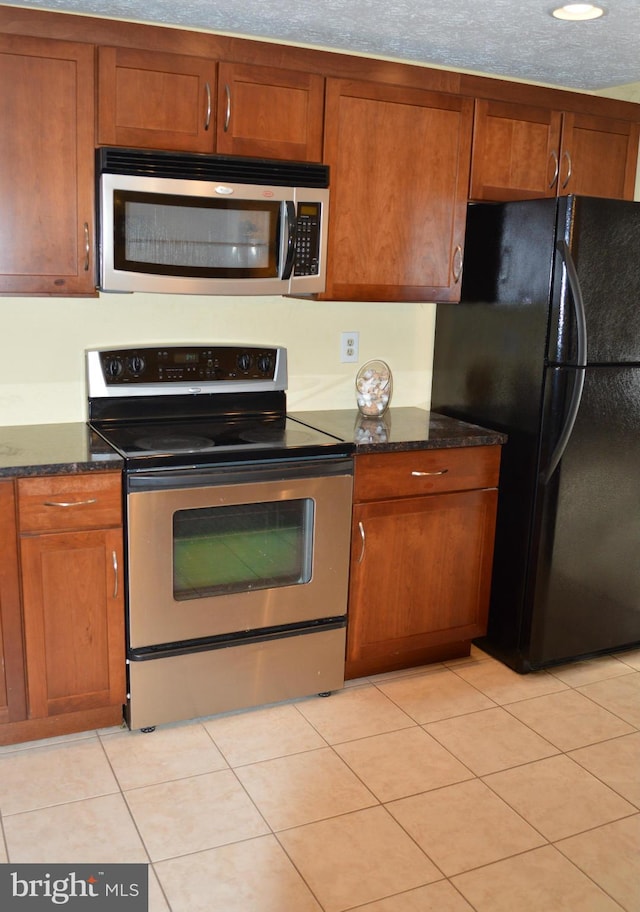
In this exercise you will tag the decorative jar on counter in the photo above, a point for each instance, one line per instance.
(374, 385)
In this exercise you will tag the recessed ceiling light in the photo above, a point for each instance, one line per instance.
(578, 12)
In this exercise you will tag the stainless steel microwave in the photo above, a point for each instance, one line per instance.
(210, 224)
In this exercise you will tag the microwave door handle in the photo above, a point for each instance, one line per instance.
(290, 228)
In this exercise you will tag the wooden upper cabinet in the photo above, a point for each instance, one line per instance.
(154, 100)
(523, 151)
(515, 151)
(269, 112)
(399, 160)
(599, 156)
(46, 167)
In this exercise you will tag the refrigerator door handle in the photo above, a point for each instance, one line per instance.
(580, 363)
(578, 303)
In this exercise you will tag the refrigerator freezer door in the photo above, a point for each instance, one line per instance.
(604, 239)
(585, 564)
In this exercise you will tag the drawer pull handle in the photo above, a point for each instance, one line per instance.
(114, 559)
(421, 474)
(70, 503)
(364, 542)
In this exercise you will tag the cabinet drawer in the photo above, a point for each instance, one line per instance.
(410, 474)
(60, 502)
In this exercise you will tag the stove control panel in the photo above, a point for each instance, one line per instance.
(185, 368)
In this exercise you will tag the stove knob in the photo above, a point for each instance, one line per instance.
(135, 365)
(244, 361)
(113, 368)
(264, 364)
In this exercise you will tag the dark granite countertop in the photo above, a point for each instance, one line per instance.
(54, 449)
(399, 429)
(67, 449)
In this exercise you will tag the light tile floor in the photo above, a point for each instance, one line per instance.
(453, 787)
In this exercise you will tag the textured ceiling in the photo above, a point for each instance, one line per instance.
(502, 37)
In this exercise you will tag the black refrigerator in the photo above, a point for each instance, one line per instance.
(545, 346)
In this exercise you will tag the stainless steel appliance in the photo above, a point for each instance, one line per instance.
(209, 224)
(237, 530)
(546, 347)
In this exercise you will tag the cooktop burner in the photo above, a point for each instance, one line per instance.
(174, 443)
(269, 435)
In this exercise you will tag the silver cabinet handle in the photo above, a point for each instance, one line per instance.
(114, 559)
(227, 113)
(457, 263)
(207, 116)
(440, 472)
(569, 170)
(556, 168)
(364, 542)
(69, 503)
(87, 247)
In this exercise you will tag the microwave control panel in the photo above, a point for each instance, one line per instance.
(307, 239)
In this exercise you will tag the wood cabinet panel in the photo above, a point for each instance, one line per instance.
(421, 570)
(524, 151)
(73, 621)
(515, 151)
(46, 167)
(65, 502)
(420, 472)
(269, 112)
(599, 156)
(399, 162)
(12, 686)
(154, 100)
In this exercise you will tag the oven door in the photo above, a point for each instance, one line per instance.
(229, 551)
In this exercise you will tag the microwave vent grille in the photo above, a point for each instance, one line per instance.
(192, 166)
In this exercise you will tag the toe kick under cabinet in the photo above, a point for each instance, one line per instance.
(421, 556)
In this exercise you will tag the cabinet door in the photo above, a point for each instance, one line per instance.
(154, 100)
(46, 167)
(521, 151)
(599, 156)
(269, 112)
(12, 690)
(515, 152)
(73, 621)
(399, 163)
(420, 577)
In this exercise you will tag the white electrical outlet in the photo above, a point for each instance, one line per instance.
(349, 344)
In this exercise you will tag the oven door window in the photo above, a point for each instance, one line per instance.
(200, 237)
(242, 547)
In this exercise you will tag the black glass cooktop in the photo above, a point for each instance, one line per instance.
(206, 440)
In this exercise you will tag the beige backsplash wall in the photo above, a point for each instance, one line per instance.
(43, 342)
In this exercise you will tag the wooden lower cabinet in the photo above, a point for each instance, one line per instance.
(421, 562)
(73, 621)
(70, 553)
(12, 687)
